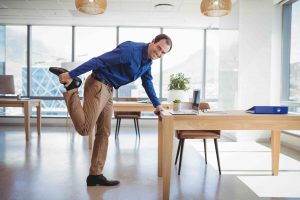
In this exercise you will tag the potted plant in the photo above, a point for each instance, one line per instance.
(176, 104)
(178, 86)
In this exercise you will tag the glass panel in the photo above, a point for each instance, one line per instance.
(295, 54)
(51, 46)
(146, 35)
(15, 56)
(93, 41)
(186, 57)
(227, 79)
(212, 64)
(54, 108)
(2, 49)
(13, 49)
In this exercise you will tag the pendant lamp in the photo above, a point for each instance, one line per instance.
(215, 8)
(91, 7)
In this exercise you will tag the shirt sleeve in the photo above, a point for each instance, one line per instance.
(108, 59)
(148, 85)
(85, 67)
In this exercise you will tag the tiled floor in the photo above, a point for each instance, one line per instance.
(55, 165)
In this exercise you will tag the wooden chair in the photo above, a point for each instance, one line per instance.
(119, 115)
(197, 134)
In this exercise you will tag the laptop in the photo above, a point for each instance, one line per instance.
(195, 106)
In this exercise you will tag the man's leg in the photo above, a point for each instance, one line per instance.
(95, 98)
(100, 147)
(101, 139)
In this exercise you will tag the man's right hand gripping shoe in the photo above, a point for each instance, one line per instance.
(76, 82)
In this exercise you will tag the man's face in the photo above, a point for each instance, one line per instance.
(158, 49)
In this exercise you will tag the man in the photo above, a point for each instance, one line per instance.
(124, 64)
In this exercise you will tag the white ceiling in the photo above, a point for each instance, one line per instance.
(184, 13)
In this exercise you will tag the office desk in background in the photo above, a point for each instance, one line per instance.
(133, 107)
(230, 120)
(26, 104)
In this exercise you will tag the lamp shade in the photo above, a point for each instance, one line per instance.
(215, 8)
(92, 7)
(7, 85)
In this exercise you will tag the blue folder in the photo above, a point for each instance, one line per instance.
(268, 110)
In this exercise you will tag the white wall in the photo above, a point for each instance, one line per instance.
(259, 59)
(255, 34)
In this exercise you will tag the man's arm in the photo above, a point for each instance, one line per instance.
(89, 65)
(148, 86)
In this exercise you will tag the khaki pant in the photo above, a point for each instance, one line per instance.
(96, 110)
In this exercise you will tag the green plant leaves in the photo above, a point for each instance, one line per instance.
(179, 82)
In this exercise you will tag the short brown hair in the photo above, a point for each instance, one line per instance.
(161, 37)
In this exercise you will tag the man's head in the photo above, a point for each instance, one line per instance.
(159, 46)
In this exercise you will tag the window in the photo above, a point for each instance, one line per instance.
(13, 52)
(186, 56)
(93, 41)
(291, 56)
(295, 53)
(222, 68)
(51, 46)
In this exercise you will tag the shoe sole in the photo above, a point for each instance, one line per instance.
(100, 185)
(54, 70)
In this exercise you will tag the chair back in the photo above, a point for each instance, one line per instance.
(125, 114)
(204, 106)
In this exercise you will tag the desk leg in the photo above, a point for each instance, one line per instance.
(167, 154)
(275, 140)
(38, 118)
(160, 146)
(27, 119)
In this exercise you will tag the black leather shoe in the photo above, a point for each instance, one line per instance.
(57, 70)
(74, 84)
(93, 180)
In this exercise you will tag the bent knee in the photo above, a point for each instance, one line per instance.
(83, 131)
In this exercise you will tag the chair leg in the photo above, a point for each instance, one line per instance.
(116, 131)
(135, 128)
(205, 152)
(119, 127)
(178, 149)
(180, 159)
(217, 153)
(138, 128)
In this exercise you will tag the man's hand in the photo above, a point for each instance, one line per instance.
(64, 78)
(158, 109)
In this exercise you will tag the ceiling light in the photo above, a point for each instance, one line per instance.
(164, 6)
(215, 8)
(92, 7)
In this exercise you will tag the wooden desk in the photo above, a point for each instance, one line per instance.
(232, 120)
(132, 107)
(26, 104)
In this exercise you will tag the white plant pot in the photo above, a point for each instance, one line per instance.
(176, 106)
(178, 94)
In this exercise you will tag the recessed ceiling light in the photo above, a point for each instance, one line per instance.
(164, 6)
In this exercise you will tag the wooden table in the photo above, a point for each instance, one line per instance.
(26, 104)
(132, 107)
(231, 120)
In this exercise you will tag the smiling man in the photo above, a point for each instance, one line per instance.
(124, 64)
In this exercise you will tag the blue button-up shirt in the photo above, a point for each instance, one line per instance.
(123, 65)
